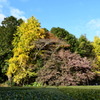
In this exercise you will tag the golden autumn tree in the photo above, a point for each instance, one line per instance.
(96, 45)
(26, 34)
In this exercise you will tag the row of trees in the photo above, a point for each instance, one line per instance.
(81, 46)
(29, 53)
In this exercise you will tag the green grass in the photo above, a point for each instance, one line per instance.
(50, 93)
(82, 92)
(32, 94)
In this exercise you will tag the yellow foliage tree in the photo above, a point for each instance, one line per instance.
(26, 34)
(96, 45)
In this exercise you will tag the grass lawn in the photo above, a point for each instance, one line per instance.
(50, 93)
(82, 92)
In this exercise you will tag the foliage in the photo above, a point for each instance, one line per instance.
(35, 84)
(62, 34)
(24, 41)
(66, 68)
(72, 40)
(96, 49)
(7, 29)
(31, 49)
(46, 30)
(85, 48)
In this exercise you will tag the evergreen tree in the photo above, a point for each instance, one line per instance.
(85, 48)
(66, 36)
(7, 29)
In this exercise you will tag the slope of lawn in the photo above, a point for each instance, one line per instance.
(50, 93)
(82, 92)
(32, 94)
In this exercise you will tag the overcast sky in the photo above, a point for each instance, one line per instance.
(76, 16)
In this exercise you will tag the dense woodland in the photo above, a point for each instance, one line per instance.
(30, 54)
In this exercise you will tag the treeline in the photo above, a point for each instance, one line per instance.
(30, 54)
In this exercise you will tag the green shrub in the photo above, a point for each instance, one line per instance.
(35, 84)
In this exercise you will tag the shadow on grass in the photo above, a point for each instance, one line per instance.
(30, 93)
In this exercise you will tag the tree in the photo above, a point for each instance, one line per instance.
(66, 36)
(7, 29)
(59, 32)
(72, 40)
(96, 49)
(46, 30)
(66, 68)
(24, 41)
(85, 48)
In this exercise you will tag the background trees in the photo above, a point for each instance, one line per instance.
(66, 36)
(7, 29)
(85, 48)
(29, 53)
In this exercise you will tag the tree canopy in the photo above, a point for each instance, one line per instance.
(66, 68)
(96, 49)
(29, 53)
(66, 36)
(85, 48)
(7, 29)
(23, 42)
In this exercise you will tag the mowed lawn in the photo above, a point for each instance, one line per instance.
(82, 92)
(50, 93)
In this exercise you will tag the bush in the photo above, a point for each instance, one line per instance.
(35, 84)
(66, 68)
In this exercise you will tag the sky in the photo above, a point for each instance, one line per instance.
(79, 17)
